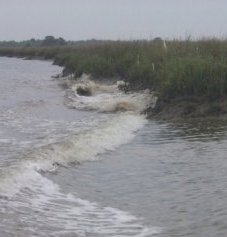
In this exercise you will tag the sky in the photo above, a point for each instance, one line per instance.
(112, 19)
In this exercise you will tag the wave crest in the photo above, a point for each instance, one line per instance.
(107, 98)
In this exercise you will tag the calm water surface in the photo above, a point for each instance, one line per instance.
(135, 177)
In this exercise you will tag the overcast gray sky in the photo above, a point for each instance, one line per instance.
(112, 19)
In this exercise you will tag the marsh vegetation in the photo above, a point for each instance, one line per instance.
(173, 69)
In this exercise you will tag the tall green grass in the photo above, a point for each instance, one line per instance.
(173, 69)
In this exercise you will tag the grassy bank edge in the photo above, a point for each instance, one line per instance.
(190, 78)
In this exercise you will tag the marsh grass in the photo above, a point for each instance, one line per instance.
(171, 68)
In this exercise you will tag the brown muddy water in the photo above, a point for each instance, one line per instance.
(93, 166)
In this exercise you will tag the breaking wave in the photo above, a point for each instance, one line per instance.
(108, 98)
(41, 202)
(25, 188)
(119, 129)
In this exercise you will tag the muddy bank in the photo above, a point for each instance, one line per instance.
(164, 109)
(175, 109)
(189, 108)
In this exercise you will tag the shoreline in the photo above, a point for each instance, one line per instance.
(179, 108)
(188, 109)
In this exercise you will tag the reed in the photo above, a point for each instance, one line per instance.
(171, 68)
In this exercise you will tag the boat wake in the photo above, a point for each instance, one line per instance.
(42, 208)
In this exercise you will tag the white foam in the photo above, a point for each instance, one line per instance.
(23, 187)
(28, 190)
(87, 146)
(94, 87)
(108, 98)
(62, 214)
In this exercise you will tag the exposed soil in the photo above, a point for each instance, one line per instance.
(188, 108)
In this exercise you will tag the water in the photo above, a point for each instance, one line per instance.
(93, 166)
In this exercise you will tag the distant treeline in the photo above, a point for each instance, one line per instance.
(171, 68)
(47, 41)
